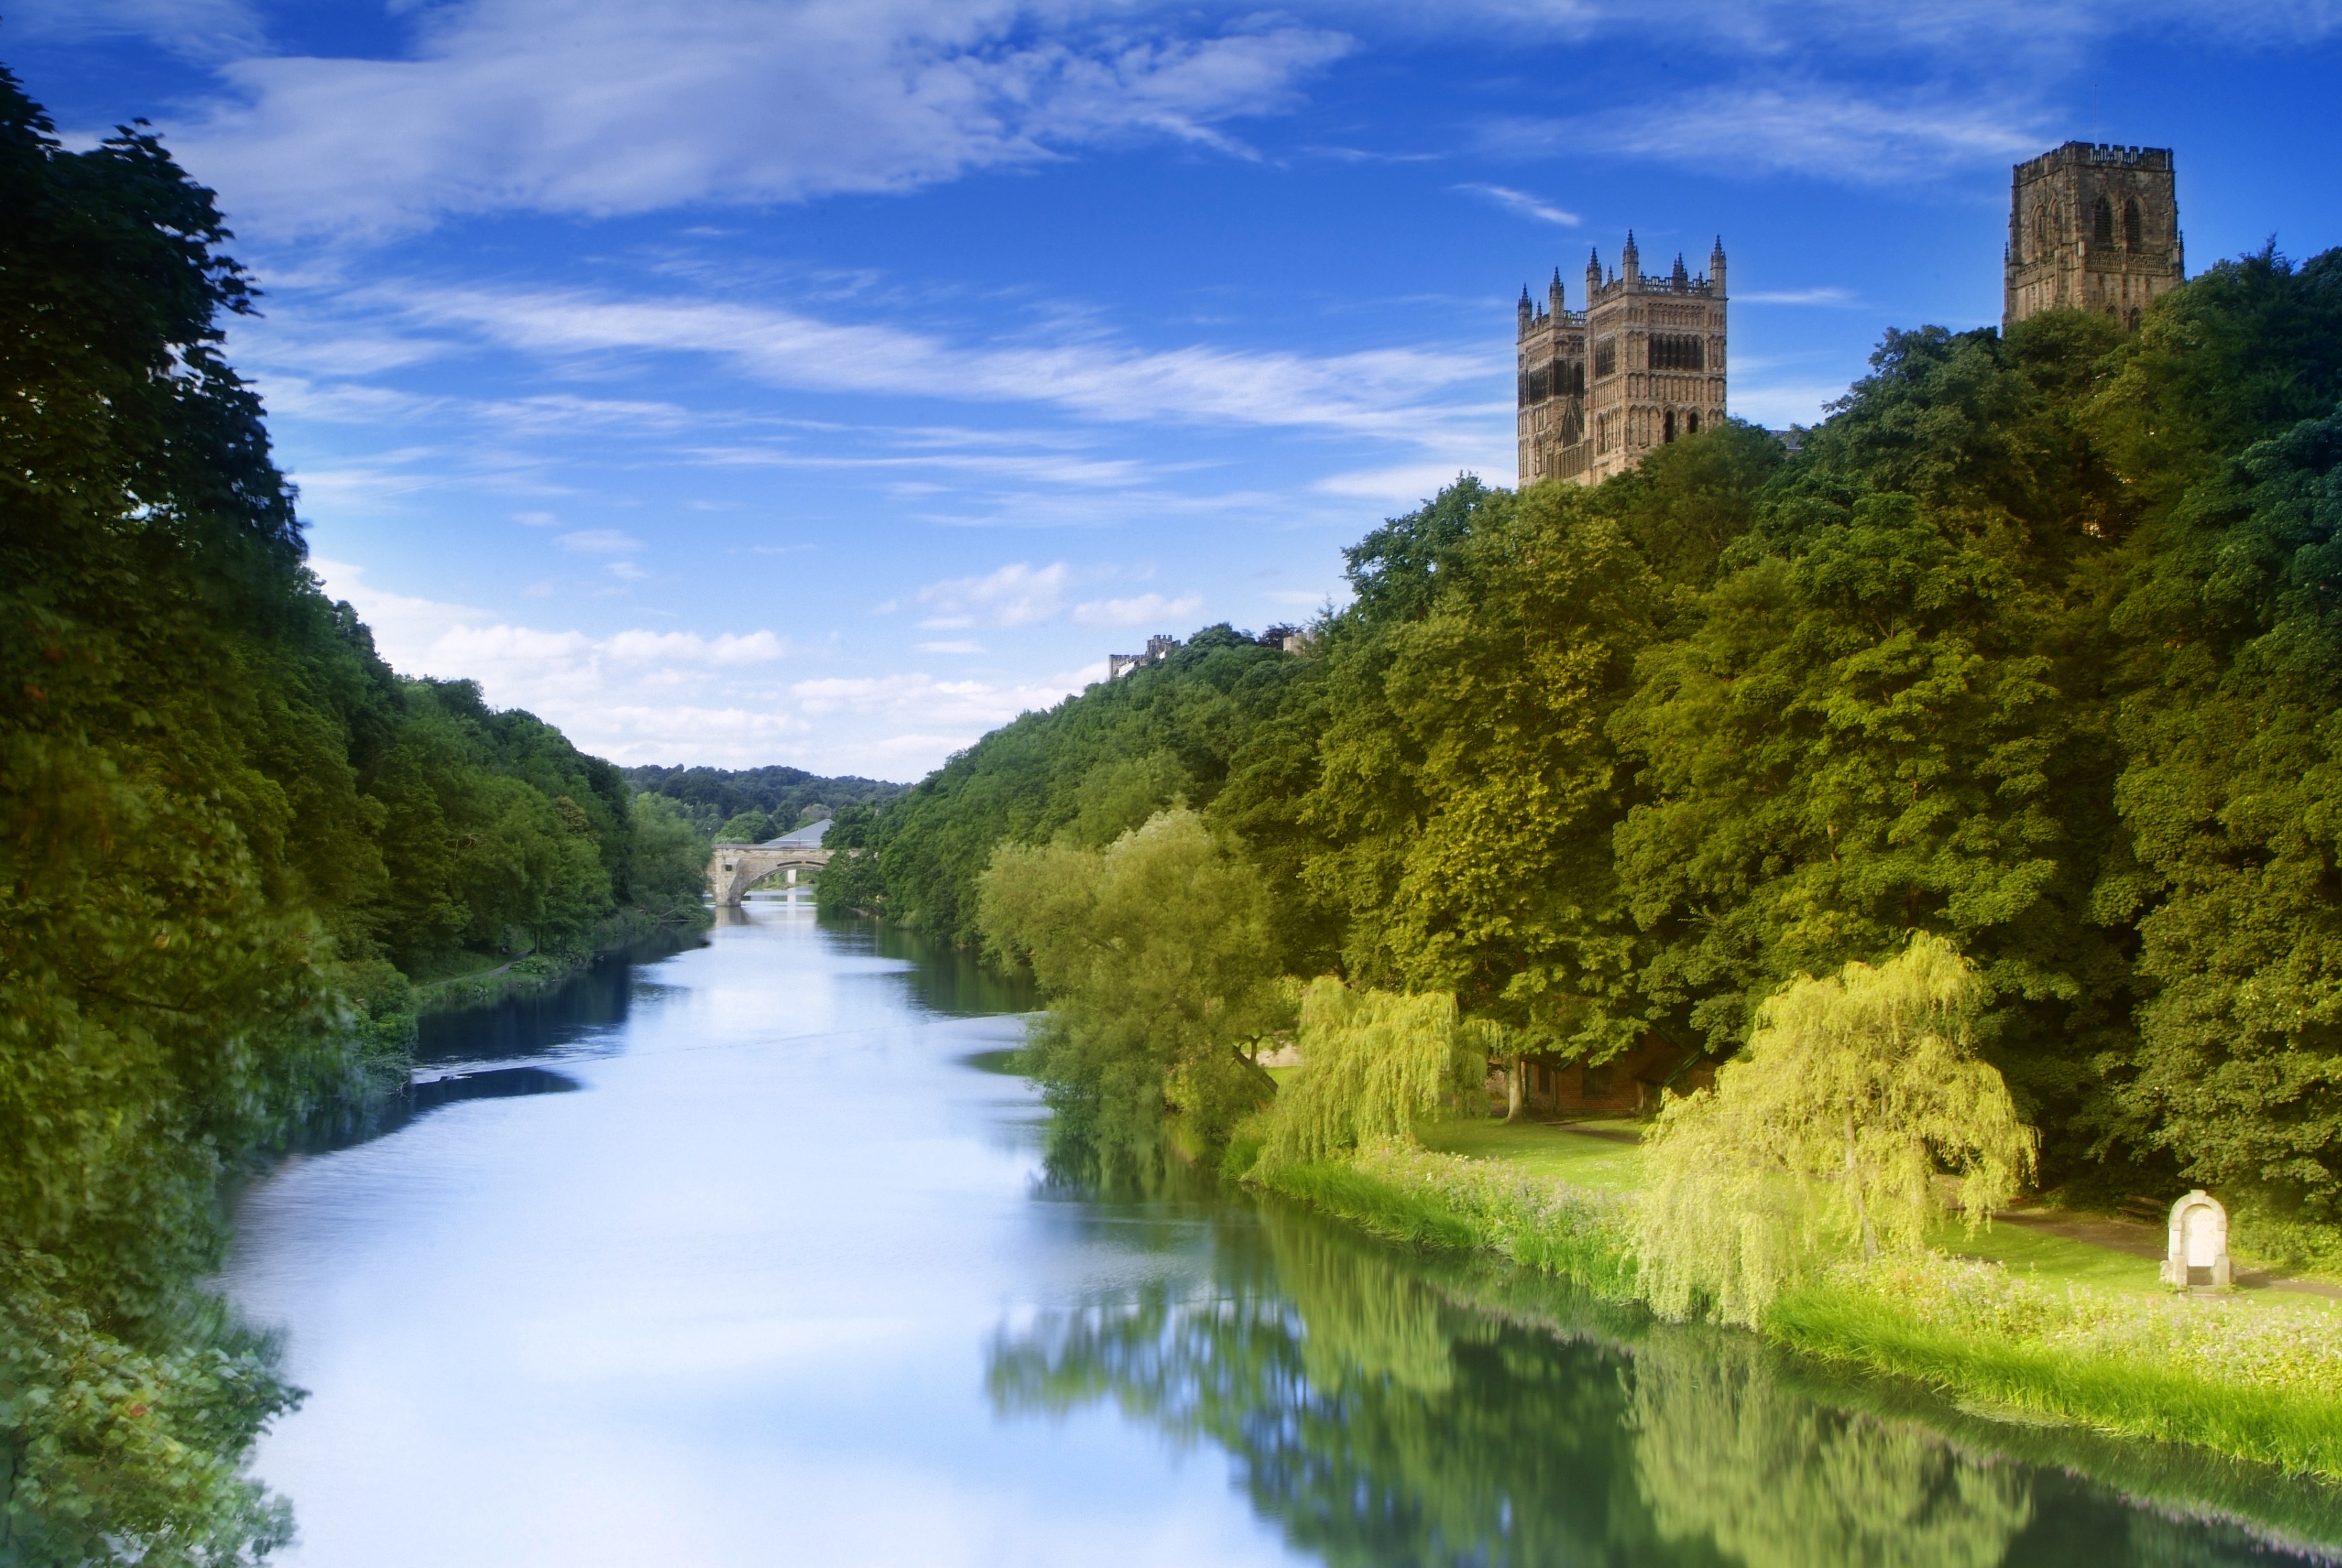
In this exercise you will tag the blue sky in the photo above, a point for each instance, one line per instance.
(826, 383)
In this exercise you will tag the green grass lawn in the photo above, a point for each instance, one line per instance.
(2052, 1260)
(1543, 1150)
(1564, 1153)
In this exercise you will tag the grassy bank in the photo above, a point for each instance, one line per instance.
(2079, 1341)
(541, 970)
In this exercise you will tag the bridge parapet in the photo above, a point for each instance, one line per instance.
(733, 868)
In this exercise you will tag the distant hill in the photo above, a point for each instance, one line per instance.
(720, 793)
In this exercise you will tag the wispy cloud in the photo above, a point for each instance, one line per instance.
(1817, 129)
(195, 29)
(1397, 391)
(1523, 205)
(1015, 595)
(1409, 484)
(1147, 609)
(1824, 297)
(600, 542)
(605, 107)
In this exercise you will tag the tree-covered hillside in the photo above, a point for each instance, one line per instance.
(231, 837)
(784, 796)
(2033, 645)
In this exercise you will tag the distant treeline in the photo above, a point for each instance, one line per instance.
(2035, 643)
(230, 840)
(729, 803)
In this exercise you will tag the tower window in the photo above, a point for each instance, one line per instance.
(2133, 239)
(1691, 423)
(1606, 358)
(1669, 426)
(2102, 222)
(2042, 237)
(1677, 352)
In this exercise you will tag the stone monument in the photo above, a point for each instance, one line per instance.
(2198, 1254)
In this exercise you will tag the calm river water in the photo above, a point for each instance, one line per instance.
(736, 1257)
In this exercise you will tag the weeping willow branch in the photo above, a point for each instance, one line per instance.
(1827, 1133)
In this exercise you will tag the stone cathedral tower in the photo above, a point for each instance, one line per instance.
(1641, 364)
(2093, 226)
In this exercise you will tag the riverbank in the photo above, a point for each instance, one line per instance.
(541, 970)
(2245, 1376)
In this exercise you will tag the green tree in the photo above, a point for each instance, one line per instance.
(2234, 793)
(1891, 712)
(1826, 1134)
(163, 1001)
(670, 859)
(1154, 956)
(748, 827)
(1096, 764)
(1373, 1064)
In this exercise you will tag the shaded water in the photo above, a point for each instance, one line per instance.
(771, 1277)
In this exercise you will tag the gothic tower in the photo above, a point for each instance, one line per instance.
(2092, 226)
(1641, 364)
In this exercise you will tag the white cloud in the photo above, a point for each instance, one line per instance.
(970, 707)
(1411, 483)
(640, 696)
(600, 542)
(958, 646)
(1388, 390)
(605, 107)
(1523, 205)
(197, 29)
(1141, 611)
(1819, 129)
(1826, 296)
(755, 648)
(1017, 596)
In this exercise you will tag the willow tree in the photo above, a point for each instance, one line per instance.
(1827, 1133)
(1155, 958)
(1374, 1063)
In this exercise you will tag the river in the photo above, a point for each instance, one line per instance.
(743, 1257)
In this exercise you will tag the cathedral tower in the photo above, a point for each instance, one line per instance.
(1641, 364)
(2092, 226)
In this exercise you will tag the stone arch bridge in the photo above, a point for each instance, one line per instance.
(733, 868)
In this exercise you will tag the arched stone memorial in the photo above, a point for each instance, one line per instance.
(2198, 1254)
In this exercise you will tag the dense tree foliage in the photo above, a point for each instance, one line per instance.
(2027, 647)
(230, 838)
(787, 795)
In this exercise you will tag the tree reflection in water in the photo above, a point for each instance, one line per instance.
(1380, 1410)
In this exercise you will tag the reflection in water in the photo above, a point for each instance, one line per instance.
(1724, 1453)
(531, 1022)
(745, 1289)
(1380, 1412)
(951, 982)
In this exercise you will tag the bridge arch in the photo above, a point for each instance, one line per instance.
(733, 868)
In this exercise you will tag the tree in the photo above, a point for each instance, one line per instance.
(1826, 1134)
(670, 859)
(2233, 792)
(748, 827)
(1155, 958)
(1891, 712)
(1373, 1064)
